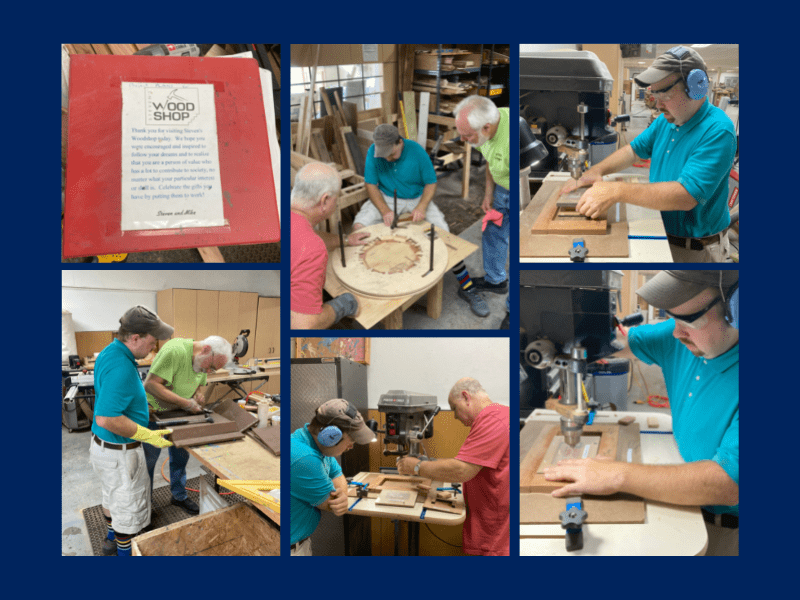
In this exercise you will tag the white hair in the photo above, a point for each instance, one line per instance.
(482, 111)
(219, 345)
(470, 385)
(312, 182)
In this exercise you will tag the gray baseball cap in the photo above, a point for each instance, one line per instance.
(679, 59)
(669, 289)
(342, 411)
(142, 320)
(385, 138)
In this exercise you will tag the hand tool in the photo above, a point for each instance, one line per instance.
(341, 239)
(394, 223)
(432, 233)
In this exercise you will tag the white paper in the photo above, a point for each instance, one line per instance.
(369, 52)
(170, 157)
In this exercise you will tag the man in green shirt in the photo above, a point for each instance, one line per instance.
(174, 381)
(480, 123)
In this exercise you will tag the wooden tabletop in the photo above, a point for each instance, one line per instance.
(374, 310)
(646, 237)
(366, 507)
(241, 459)
(668, 530)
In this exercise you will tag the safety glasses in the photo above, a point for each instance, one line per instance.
(665, 94)
(696, 320)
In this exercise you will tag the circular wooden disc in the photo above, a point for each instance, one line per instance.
(395, 262)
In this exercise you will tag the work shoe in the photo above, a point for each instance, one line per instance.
(506, 321)
(188, 505)
(475, 301)
(109, 547)
(485, 286)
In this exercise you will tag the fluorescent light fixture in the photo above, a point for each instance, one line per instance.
(701, 45)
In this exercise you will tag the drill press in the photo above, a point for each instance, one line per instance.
(409, 420)
(567, 322)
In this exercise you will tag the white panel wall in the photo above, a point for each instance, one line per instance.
(97, 299)
(433, 365)
(524, 48)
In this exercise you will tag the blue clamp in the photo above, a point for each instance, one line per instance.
(449, 489)
(590, 420)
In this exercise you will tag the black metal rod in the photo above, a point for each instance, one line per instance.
(341, 243)
(394, 222)
(432, 237)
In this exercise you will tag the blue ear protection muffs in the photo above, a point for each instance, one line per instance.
(696, 80)
(331, 435)
(726, 298)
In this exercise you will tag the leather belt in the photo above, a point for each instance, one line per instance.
(724, 520)
(130, 446)
(694, 243)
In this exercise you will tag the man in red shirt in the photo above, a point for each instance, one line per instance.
(314, 196)
(482, 465)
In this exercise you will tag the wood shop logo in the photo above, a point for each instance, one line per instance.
(172, 106)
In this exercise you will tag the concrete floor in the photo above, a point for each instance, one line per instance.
(80, 489)
(464, 217)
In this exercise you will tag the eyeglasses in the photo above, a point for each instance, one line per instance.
(665, 94)
(695, 320)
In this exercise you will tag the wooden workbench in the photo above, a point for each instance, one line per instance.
(390, 311)
(668, 530)
(241, 459)
(234, 381)
(366, 507)
(646, 237)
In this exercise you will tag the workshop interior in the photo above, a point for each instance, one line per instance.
(579, 103)
(340, 94)
(409, 412)
(577, 400)
(232, 437)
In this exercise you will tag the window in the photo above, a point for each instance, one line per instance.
(361, 84)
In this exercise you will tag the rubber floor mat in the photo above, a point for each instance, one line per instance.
(164, 513)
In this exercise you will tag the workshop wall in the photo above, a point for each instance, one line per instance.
(97, 299)
(433, 365)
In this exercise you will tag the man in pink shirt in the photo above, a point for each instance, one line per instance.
(482, 465)
(314, 196)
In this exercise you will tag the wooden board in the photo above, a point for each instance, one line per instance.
(619, 508)
(410, 115)
(232, 531)
(395, 263)
(270, 437)
(197, 435)
(391, 497)
(374, 310)
(553, 219)
(559, 450)
(533, 481)
(617, 442)
(231, 410)
(433, 502)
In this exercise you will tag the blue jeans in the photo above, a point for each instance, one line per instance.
(178, 457)
(495, 240)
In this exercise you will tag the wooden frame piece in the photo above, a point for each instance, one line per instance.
(561, 220)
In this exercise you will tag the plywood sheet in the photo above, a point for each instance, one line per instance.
(544, 509)
(395, 263)
(195, 435)
(407, 498)
(231, 410)
(270, 437)
(233, 531)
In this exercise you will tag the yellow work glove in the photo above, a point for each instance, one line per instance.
(154, 438)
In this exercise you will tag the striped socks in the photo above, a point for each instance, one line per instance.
(462, 275)
(110, 535)
(124, 543)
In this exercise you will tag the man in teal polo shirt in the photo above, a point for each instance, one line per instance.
(317, 479)
(178, 372)
(401, 165)
(480, 123)
(698, 352)
(120, 426)
(691, 145)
